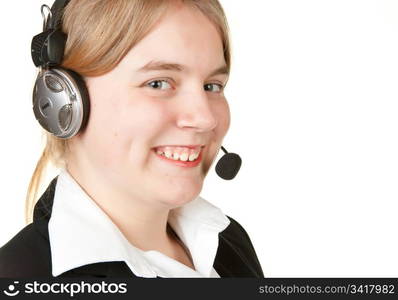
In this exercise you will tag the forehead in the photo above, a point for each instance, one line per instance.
(183, 36)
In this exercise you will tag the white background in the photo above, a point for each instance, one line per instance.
(313, 95)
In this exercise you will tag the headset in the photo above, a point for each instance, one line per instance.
(60, 98)
(61, 102)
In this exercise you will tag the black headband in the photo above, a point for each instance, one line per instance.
(57, 11)
(48, 47)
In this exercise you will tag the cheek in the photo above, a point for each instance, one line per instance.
(102, 138)
(224, 118)
(124, 128)
(105, 106)
(103, 134)
(145, 116)
(222, 113)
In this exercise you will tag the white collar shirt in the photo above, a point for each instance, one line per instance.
(80, 233)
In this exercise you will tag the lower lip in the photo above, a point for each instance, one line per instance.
(187, 164)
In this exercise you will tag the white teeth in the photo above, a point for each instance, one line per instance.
(167, 153)
(193, 156)
(180, 154)
(184, 156)
(176, 156)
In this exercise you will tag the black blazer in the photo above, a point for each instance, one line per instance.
(27, 254)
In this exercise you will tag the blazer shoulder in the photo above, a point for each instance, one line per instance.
(26, 254)
(236, 233)
(238, 239)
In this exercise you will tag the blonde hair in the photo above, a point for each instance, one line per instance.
(94, 48)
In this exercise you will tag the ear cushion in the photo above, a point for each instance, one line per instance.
(81, 85)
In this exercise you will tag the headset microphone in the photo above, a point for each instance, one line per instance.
(228, 165)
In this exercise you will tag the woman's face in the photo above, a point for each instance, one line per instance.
(135, 109)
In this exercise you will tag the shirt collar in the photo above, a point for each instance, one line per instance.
(80, 233)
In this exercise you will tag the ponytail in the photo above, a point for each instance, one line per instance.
(52, 155)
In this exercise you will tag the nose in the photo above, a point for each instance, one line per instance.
(197, 112)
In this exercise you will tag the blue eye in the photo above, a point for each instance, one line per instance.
(219, 87)
(155, 84)
(161, 84)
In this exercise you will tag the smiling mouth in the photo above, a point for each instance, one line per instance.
(179, 153)
(182, 153)
(190, 158)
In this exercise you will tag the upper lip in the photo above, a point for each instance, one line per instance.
(186, 146)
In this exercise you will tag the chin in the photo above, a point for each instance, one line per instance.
(178, 196)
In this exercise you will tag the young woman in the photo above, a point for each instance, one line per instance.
(126, 201)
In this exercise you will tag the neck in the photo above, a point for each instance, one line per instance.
(143, 225)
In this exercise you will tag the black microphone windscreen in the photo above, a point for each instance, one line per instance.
(228, 166)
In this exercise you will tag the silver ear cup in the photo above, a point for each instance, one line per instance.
(57, 103)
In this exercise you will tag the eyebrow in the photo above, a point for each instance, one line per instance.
(170, 66)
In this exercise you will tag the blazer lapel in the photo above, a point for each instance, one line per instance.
(236, 256)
